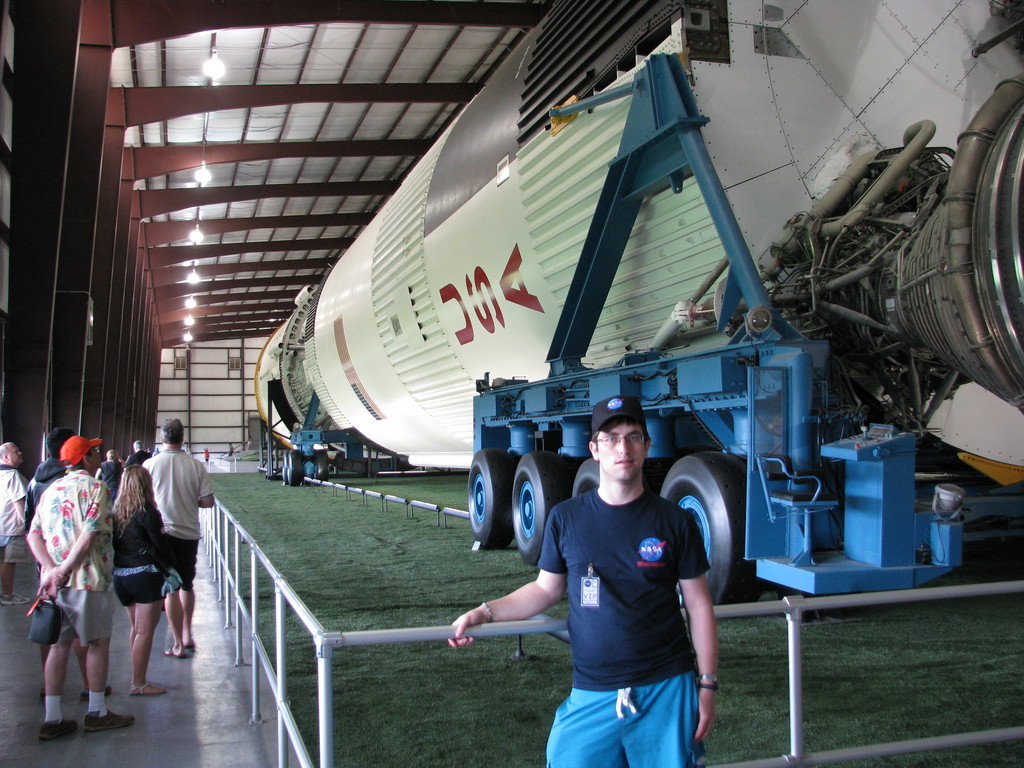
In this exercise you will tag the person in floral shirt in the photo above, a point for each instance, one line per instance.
(71, 537)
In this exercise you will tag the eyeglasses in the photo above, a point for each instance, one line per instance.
(634, 438)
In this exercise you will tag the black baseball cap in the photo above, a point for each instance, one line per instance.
(620, 405)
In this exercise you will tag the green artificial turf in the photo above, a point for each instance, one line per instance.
(880, 674)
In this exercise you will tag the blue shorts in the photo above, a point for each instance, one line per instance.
(588, 733)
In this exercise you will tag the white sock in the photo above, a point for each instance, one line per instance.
(53, 713)
(97, 703)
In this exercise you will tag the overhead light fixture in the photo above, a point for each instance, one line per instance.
(196, 235)
(187, 337)
(193, 276)
(203, 175)
(190, 302)
(213, 67)
(190, 321)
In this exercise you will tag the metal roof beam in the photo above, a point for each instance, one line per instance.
(160, 232)
(227, 322)
(170, 275)
(230, 335)
(158, 161)
(179, 290)
(153, 202)
(170, 255)
(177, 315)
(218, 299)
(142, 21)
(151, 105)
(170, 330)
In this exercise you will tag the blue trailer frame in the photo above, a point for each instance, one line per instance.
(826, 508)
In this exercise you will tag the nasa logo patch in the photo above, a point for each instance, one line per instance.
(652, 549)
(614, 404)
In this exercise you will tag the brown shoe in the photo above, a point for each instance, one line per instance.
(56, 728)
(107, 721)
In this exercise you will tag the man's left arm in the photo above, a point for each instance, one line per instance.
(704, 634)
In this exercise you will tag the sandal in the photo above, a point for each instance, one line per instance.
(170, 652)
(146, 689)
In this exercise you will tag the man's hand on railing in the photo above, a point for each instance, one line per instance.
(480, 615)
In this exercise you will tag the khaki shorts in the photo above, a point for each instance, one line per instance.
(88, 614)
(17, 551)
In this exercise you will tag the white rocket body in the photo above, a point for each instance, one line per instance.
(409, 320)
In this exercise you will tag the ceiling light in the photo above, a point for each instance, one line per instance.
(190, 321)
(187, 337)
(196, 235)
(203, 175)
(213, 67)
(193, 276)
(190, 302)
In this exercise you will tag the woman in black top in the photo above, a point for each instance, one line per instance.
(139, 547)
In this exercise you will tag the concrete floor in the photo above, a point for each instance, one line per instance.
(203, 719)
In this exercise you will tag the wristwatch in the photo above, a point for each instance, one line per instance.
(707, 681)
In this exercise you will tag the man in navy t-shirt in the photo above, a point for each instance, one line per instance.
(622, 552)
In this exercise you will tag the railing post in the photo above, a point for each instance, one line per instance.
(254, 613)
(232, 595)
(227, 549)
(325, 696)
(212, 531)
(794, 623)
(281, 636)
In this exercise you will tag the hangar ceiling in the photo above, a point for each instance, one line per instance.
(323, 107)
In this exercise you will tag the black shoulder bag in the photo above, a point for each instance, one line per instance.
(47, 618)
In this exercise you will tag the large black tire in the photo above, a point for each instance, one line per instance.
(588, 477)
(542, 480)
(293, 467)
(323, 464)
(490, 497)
(711, 487)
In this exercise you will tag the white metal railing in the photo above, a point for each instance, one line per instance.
(443, 513)
(225, 537)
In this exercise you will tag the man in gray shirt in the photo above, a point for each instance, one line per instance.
(180, 485)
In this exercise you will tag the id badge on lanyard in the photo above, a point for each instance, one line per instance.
(590, 589)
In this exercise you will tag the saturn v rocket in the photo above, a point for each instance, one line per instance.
(461, 277)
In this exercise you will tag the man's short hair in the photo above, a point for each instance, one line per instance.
(173, 432)
(137, 445)
(56, 439)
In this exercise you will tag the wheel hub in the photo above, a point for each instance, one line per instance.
(693, 505)
(527, 510)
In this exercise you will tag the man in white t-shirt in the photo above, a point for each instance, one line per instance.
(180, 486)
(13, 548)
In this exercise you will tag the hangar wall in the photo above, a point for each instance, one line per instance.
(81, 343)
(209, 386)
(6, 125)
